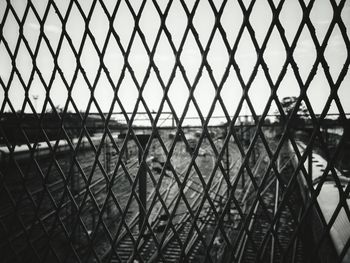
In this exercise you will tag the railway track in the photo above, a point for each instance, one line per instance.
(55, 198)
(180, 239)
(180, 228)
(263, 240)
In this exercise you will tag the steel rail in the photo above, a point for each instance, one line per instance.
(185, 216)
(208, 216)
(64, 204)
(244, 238)
(191, 242)
(274, 214)
(134, 222)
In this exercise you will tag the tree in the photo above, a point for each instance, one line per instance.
(288, 104)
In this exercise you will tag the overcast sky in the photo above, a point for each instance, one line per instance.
(191, 57)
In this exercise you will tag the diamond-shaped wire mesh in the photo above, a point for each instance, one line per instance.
(171, 131)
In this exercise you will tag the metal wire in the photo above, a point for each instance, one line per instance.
(58, 208)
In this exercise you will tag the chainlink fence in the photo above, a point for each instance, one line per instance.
(174, 131)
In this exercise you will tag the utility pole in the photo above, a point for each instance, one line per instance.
(74, 189)
(35, 98)
(126, 152)
(143, 139)
(242, 139)
(228, 171)
(310, 165)
(108, 171)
